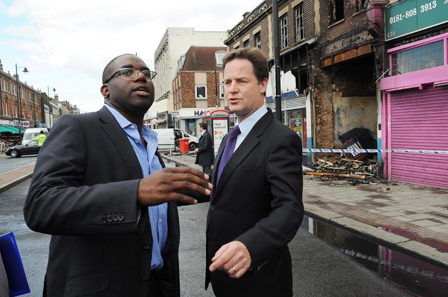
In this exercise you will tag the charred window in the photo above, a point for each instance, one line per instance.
(257, 40)
(336, 10)
(360, 5)
(284, 32)
(299, 27)
(246, 43)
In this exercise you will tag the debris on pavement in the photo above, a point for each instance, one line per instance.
(344, 166)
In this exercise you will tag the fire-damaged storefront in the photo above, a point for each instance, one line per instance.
(415, 96)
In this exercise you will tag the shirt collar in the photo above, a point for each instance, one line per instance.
(249, 122)
(125, 123)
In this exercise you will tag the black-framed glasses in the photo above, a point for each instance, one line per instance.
(131, 73)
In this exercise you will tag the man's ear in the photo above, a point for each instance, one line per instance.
(105, 91)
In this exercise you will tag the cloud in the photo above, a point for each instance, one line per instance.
(84, 35)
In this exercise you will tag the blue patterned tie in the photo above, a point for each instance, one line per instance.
(228, 150)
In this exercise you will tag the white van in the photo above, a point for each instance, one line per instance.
(166, 139)
(31, 134)
(193, 140)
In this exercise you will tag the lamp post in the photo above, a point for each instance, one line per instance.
(18, 97)
(48, 91)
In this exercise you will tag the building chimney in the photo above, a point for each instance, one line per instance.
(1, 65)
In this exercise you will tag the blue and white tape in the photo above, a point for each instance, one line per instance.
(357, 151)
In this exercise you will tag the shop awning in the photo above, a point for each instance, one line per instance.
(10, 129)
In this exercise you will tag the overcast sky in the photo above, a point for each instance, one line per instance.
(65, 45)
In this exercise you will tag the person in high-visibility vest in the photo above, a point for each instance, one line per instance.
(41, 138)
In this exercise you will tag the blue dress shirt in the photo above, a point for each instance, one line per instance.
(149, 162)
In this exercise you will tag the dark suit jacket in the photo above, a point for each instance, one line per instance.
(258, 201)
(84, 193)
(205, 156)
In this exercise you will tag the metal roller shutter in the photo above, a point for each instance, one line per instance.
(419, 121)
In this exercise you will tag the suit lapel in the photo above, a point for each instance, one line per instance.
(121, 141)
(245, 148)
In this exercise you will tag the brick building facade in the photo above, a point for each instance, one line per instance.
(344, 72)
(197, 86)
(328, 64)
(28, 102)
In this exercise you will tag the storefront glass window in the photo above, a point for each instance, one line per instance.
(296, 120)
(419, 58)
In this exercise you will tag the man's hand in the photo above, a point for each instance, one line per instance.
(233, 258)
(164, 186)
(196, 150)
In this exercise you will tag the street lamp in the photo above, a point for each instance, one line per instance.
(48, 91)
(18, 97)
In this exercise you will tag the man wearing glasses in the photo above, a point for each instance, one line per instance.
(100, 189)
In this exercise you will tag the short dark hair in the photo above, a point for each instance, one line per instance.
(256, 57)
(107, 72)
(203, 125)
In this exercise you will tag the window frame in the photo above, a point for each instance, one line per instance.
(284, 31)
(298, 22)
(257, 40)
(196, 92)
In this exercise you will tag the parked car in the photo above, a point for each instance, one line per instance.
(31, 148)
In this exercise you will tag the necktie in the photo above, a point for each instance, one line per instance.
(228, 150)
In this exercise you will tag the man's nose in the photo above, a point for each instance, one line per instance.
(233, 87)
(139, 75)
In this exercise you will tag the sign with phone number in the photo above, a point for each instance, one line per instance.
(414, 15)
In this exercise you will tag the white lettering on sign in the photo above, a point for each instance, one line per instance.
(399, 17)
(428, 6)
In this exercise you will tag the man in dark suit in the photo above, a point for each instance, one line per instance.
(204, 150)
(99, 189)
(256, 203)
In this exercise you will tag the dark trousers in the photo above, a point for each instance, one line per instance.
(207, 169)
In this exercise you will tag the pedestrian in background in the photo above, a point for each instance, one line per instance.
(91, 188)
(256, 203)
(41, 138)
(204, 150)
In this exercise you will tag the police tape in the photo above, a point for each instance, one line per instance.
(358, 151)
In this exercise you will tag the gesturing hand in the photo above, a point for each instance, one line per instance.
(233, 258)
(164, 186)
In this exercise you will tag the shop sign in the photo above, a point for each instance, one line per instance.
(220, 130)
(414, 15)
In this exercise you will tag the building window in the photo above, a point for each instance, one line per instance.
(360, 5)
(221, 91)
(336, 10)
(419, 58)
(257, 40)
(299, 27)
(201, 92)
(284, 31)
(246, 43)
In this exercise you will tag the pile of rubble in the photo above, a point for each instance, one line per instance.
(337, 166)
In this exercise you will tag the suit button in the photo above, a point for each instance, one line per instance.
(144, 281)
(104, 219)
(146, 246)
(115, 217)
(109, 219)
(120, 217)
(213, 207)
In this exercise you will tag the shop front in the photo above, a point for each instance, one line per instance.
(188, 119)
(415, 110)
(294, 115)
